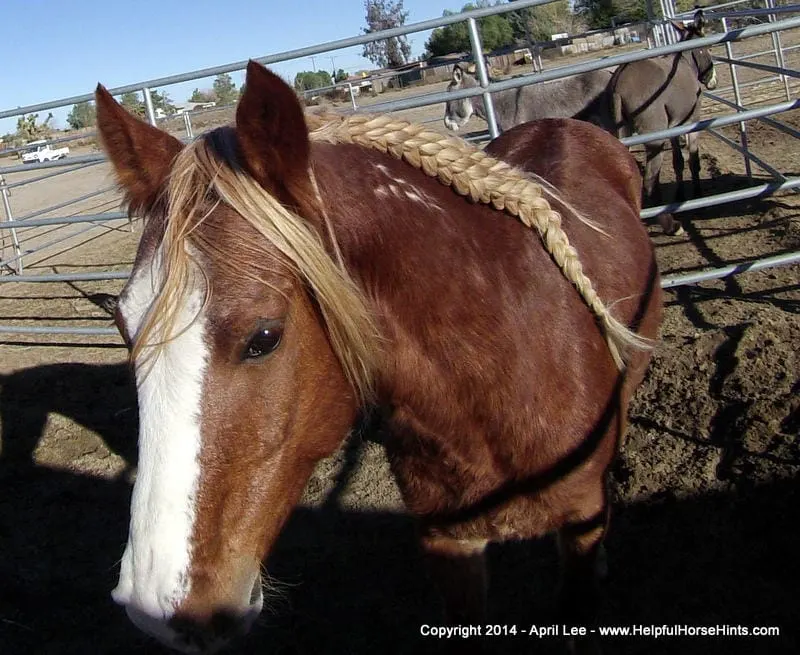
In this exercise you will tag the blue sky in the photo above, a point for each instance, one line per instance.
(53, 49)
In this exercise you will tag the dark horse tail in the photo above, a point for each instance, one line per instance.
(617, 115)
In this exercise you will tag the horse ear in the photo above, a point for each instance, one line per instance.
(678, 25)
(271, 130)
(458, 74)
(699, 21)
(141, 154)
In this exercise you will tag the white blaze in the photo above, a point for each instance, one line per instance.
(154, 576)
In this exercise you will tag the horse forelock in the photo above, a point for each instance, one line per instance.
(209, 173)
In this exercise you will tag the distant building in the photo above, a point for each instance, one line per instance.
(185, 107)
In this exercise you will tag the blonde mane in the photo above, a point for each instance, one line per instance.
(200, 173)
(471, 172)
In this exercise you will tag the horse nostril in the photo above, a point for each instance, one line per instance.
(202, 635)
(255, 592)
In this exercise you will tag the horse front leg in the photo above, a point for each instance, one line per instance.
(654, 155)
(677, 167)
(582, 559)
(458, 568)
(694, 162)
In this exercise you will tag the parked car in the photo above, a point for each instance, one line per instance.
(41, 151)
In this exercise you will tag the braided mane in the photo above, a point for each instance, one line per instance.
(472, 173)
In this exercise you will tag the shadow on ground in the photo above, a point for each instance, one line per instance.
(352, 580)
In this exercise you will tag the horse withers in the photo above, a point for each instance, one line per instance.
(650, 95)
(288, 276)
(584, 97)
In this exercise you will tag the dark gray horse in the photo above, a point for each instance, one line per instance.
(583, 96)
(655, 94)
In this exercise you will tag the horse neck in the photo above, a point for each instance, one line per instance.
(504, 108)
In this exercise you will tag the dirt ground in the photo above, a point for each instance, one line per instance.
(705, 529)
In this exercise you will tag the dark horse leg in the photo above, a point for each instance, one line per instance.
(677, 166)
(694, 163)
(580, 545)
(654, 155)
(459, 570)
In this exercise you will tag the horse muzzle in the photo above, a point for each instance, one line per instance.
(196, 630)
(451, 124)
(711, 83)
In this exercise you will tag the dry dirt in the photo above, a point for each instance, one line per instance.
(705, 530)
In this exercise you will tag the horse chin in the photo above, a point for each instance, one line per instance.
(186, 635)
(199, 640)
(451, 124)
(712, 83)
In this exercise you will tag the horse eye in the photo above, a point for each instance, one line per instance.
(263, 341)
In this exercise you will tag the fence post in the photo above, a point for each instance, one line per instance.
(10, 219)
(483, 78)
(778, 47)
(148, 105)
(352, 96)
(737, 95)
(651, 23)
(187, 121)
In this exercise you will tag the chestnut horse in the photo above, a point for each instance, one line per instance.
(288, 276)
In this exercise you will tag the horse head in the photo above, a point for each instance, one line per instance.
(250, 348)
(703, 61)
(458, 112)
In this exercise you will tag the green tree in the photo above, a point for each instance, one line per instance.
(30, 129)
(132, 103)
(340, 76)
(599, 13)
(82, 115)
(447, 39)
(162, 101)
(384, 15)
(540, 23)
(205, 95)
(307, 80)
(225, 90)
(495, 32)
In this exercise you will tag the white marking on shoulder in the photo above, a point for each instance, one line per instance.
(154, 576)
(402, 189)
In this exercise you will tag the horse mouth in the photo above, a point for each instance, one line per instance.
(451, 124)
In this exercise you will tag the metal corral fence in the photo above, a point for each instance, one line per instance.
(767, 22)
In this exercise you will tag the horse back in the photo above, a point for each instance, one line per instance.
(596, 175)
(655, 93)
(581, 96)
(576, 157)
(493, 366)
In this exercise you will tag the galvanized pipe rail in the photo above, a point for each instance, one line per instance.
(667, 282)
(61, 220)
(54, 242)
(420, 101)
(297, 53)
(759, 191)
(584, 67)
(87, 196)
(749, 156)
(762, 67)
(764, 118)
(49, 175)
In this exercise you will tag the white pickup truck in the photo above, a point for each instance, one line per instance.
(41, 151)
